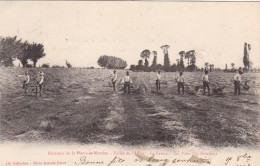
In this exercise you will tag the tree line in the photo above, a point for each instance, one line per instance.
(12, 48)
(190, 56)
(178, 66)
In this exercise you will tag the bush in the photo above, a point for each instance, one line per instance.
(46, 65)
(173, 68)
(159, 67)
(132, 68)
(191, 68)
(153, 68)
(29, 66)
(57, 66)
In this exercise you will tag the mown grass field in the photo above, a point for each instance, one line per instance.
(79, 106)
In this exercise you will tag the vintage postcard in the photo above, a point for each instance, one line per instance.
(148, 83)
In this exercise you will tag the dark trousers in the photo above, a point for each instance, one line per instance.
(237, 87)
(158, 85)
(40, 88)
(127, 85)
(25, 86)
(206, 85)
(114, 85)
(180, 85)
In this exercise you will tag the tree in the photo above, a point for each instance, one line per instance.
(250, 65)
(178, 62)
(211, 66)
(246, 61)
(10, 48)
(191, 68)
(190, 55)
(181, 63)
(140, 62)
(25, 55)
(145, 54)
(166, 57)
(159, 67)
(111, 62)
(154, 63)
(206, 65)
(174, 67)
(248, 52)
(178, 65)
(154, 59)
(193, 60)
(187, 56)
(68, 64)
(140, 65)
(233, 64)
(132, 68)
(46, 65)
(36, 51)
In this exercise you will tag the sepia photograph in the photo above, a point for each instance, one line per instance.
(147, 83)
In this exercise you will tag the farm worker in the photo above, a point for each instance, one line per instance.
(205, 79)
(237, 82)
(127, 81)
(181, 82)
(114, 79)
(26, 80)
(158, 81)
(39, 82)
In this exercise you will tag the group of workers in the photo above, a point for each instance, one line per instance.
(180, 82)
(26, 79)
(127, 82)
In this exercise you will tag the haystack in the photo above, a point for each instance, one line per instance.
(218, 89)
(143, 89)
(246, 86)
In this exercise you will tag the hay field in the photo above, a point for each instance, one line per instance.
(79, 106)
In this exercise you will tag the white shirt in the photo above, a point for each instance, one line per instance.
(159, 76)
(42, 78)
(205, 78)
(39, 78)
(127, 79)
(27, 78)
(180, 78)
(237, 77)
(114, 77)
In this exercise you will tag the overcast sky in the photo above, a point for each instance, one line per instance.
(82, 31)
